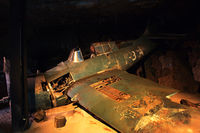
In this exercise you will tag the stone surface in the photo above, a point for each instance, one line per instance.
(196, 71)
(169, 68)
(194, 57)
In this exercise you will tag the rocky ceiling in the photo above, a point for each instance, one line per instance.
(57, 12)
(44, 13)
(59, 24)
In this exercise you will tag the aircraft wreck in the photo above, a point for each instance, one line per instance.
(101, 85)
(96, 92)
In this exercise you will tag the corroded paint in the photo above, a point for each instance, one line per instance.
(125, 101)
(122, 59)
(147, 101)
(104, 87)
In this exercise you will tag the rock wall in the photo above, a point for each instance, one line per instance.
(177, 67)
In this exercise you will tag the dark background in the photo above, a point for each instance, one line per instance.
(53, 27)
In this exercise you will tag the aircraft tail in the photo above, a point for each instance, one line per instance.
(152, 32)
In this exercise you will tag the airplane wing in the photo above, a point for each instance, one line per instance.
(127, 102)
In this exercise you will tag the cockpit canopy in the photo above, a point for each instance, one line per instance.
(76, 55)
(96, 49)
(104, 47)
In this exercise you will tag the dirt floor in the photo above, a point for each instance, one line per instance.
(78, 121)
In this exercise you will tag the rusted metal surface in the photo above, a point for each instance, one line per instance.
(103, 87)
(38, 98)
(123, 59)
(60, 121)
(147, 104)
(127, 102)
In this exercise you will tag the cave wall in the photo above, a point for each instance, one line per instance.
(175, 65)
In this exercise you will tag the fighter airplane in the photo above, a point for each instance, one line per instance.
(101, 85)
